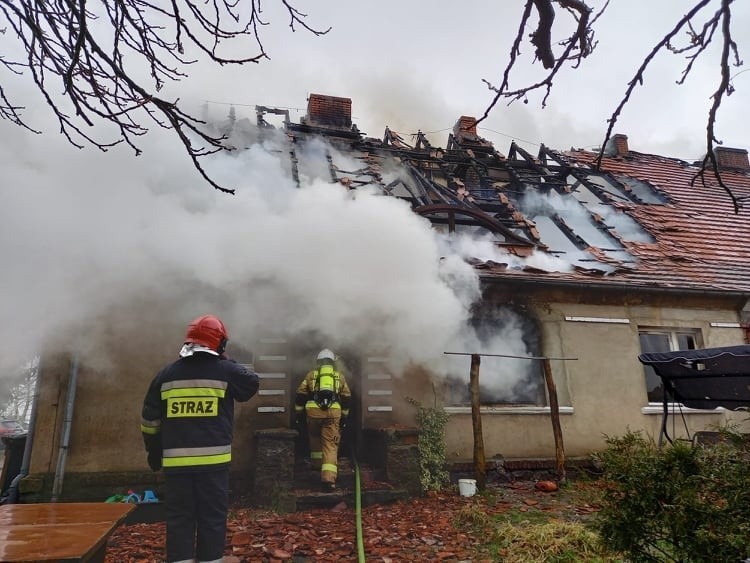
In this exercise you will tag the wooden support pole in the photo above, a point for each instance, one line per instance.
(555, 415)
(476, 421)
(479, 462)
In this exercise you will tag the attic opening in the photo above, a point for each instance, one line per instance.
(643, 190)
(271, 118)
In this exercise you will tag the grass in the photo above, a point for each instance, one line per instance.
(531, 534)
(554, 541)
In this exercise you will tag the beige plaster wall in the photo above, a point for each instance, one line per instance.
(605, 386)
(114, 374)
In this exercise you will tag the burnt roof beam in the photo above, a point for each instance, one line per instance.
(580, 243)
(482, 219)
(514, 148)
(599, 191)
(261, 111)
(444, 194)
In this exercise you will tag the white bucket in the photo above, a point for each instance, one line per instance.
(467, 487)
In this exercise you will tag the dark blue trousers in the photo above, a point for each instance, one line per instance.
(196, 506)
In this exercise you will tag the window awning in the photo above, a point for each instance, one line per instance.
(705, 379)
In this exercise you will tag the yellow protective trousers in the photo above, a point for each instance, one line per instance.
(324, 435)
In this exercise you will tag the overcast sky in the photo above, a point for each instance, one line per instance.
(80, 229)
(418, 65)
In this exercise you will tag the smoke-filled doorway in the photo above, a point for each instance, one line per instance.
(347, 361)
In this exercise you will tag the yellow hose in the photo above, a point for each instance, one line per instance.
(358, 512)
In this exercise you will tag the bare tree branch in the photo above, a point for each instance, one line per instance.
(638, 77)
(725, 87)
(83, 45)
(696, 46)
(542, 37)
(575, 48)
(700, 34)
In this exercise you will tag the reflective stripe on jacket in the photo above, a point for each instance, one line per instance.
(325, 378)
(188, 411)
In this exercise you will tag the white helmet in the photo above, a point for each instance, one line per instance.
(326, 354)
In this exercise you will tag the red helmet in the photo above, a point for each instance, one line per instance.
(208, 331)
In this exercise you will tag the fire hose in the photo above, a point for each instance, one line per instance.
(358, 510)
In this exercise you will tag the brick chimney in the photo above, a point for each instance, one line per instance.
(727, 157)
(465, 126)
(617, 145)
(329, 111)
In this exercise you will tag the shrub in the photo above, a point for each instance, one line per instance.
(677, 503)
(432, 459)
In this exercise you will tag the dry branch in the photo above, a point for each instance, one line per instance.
(700, 34)
(574, 49)
(87, 49)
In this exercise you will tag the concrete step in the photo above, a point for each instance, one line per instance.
(306, 477)
(307, 487)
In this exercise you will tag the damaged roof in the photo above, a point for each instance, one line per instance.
(640, 220)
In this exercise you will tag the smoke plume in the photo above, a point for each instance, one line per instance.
(86, 234)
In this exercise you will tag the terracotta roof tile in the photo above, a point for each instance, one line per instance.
(700, 242)
(642, 221)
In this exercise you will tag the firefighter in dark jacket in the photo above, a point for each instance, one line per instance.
(187, 424)
(325, 398)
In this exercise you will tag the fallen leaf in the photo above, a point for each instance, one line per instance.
(241, 538)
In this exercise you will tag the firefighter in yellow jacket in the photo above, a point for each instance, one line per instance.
(324, 397)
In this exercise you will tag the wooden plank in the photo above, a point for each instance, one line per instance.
(58, 531)
(64, 512)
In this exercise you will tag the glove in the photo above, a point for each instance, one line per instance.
(154, 460)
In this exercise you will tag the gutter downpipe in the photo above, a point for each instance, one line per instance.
(13, 493)
(67, 423)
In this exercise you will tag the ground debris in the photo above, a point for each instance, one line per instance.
(419, 529)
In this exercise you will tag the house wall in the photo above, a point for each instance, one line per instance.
(603, 392)
(105, 434)
(116, 366)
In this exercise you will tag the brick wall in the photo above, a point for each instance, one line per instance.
(329, 110)
(620, 144)
(727, 157)
(465, 125)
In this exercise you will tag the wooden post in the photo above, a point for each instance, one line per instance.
(555, 415)
(476, 421)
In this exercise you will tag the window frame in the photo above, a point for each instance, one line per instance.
(486, 323)
(673, 334)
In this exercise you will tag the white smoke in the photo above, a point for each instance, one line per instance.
(503, 343)
(541, 207)
(484, 249)
(625, 226)
(81, 230)
(84, 234)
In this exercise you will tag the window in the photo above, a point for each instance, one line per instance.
(502, 381)
(665, 340)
